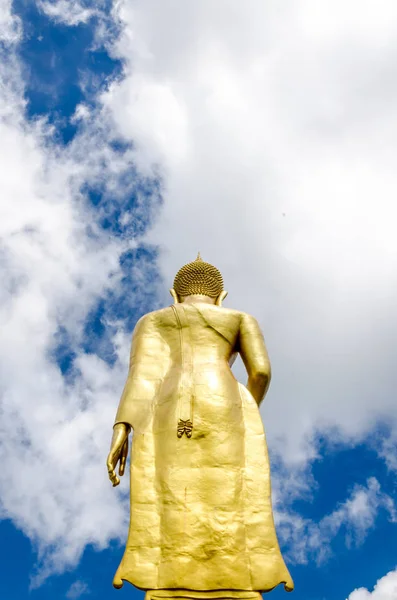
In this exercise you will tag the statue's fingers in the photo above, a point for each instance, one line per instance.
(113, 477)
(110, 463)
(123, 458)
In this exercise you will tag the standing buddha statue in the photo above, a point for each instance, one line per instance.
(201, 521)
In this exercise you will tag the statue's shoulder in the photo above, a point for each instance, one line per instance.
(164, 316)
(156, 317)
(221, 314)
(231, 312)
(239, 313)
(243, 319)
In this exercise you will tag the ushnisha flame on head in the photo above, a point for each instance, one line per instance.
(198, 277)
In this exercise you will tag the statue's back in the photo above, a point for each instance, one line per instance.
(200, 488)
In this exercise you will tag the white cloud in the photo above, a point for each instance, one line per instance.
(77, 589)
(385, 589)
(70, 12)
(353, 519)
(274, 127)
(387, 449)
(10, 29)
(54, 434)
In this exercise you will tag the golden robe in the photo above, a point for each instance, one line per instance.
(201, 515)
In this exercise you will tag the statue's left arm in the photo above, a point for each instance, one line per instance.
(145, 373)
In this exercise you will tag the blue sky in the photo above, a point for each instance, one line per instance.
(133, 135)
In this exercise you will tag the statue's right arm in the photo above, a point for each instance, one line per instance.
(255, 358)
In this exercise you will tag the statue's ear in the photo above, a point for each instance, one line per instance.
(174, 296)
(221, 298)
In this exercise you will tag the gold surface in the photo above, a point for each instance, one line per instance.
(194, 595)
(201, 518)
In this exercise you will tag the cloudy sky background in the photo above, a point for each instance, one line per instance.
(132, 135)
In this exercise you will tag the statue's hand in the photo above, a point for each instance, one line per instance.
(118, 452)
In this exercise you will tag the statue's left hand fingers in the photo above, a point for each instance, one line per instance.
(111, 472)
(113, 478)
(123, 458)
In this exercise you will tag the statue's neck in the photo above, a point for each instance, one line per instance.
(198, 298)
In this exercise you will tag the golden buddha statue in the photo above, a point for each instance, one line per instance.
(201, 522)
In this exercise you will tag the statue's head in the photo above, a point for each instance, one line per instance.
(198, 278)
